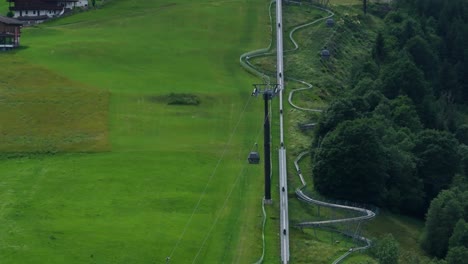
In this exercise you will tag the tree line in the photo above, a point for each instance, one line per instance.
(398, 137)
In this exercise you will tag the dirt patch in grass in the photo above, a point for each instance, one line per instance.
(176, 99)
(41, 112)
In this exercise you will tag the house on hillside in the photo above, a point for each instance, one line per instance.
(40, 10)
(10, 33)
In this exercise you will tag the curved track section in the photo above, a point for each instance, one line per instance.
(308, 86)
(245, 58)
(365, 214)
(284, 222)
(260, 260)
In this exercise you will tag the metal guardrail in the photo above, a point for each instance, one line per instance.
(283, 178)
(366, 213)
(244, 59)
(260, 260)
(284, 220)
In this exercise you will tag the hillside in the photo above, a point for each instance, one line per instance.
(166, 180)
(125, 131)
(392, 133)
(350, 41)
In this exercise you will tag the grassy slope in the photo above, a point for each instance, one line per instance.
(305, 63)
(43, 112)
(130, 205)
(3, 8)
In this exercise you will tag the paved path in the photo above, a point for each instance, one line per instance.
(283, 177)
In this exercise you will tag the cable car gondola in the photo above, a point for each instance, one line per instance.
(254, 157)
(325, 54)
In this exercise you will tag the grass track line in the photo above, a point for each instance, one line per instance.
(260, 260)
(244, 61)
(219, 214)
(241, 172)
(210, 178)
(296, 47)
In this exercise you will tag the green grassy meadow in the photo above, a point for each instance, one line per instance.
(151, 180)
(45, 112)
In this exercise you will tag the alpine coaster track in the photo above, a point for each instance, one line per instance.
(365, 214)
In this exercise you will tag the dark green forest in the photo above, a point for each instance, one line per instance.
(397, 138)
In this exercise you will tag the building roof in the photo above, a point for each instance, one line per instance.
(36, 7)
(36, 1)
(32, 18)
(10, 21)
(38, 4)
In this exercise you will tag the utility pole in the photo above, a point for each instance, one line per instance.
(364, 6)
(268, 91)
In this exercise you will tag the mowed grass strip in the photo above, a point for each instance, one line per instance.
(41, 111)
(131, 204)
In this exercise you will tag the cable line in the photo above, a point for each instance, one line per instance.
(215, 222)
(195, 209)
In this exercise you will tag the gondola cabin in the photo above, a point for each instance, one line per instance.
(325, 54)
(10, 33)
(254, 157)
(330, 22)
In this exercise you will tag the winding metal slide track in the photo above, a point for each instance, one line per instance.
(365, 213)
(284, 218)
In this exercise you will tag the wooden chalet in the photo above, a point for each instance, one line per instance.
(10, 33)
(28, 10)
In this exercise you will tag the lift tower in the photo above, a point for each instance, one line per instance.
(268, 91)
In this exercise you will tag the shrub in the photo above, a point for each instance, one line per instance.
(386, 250)
(182, 99)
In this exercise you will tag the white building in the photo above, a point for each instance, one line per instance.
(43, 9)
